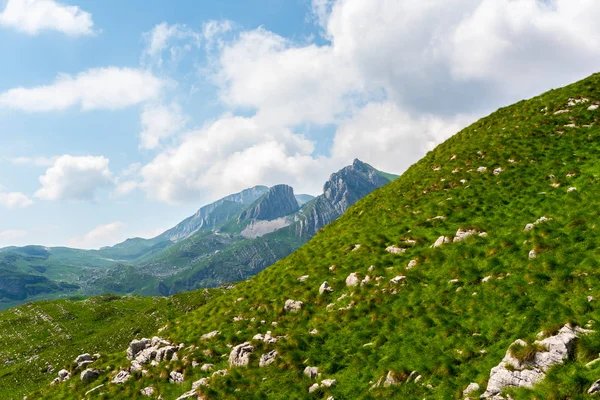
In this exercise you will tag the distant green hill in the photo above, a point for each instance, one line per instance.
(448, 313)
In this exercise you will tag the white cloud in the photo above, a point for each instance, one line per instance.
(12, 200)
(126, 187)
(161, 38)
(213, 29)
(75, 178)
(34, 16)
(390, 138)
(229, 154)
(160, 122)
(35, 161)
(12, 237)
(101, 88)
(102, 235)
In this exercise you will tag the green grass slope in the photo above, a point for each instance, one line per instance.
(453, 316)
(38, 339)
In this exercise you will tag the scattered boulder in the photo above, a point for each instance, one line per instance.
(487, 278)
(481, 169)
(311, 372)
(532, 254)
(498, 171)
(390, 379)
(293, 305)
(240, 355)
(593, 107)
(328, 382)
(207, 367)
(595, 388)
(210, 335)
(325, 288)
(397, 279)
(411, 264)
(89, 375)
(176, 377)
(352, 280)
(64, 375)
(395, 249)
(303, 278)
(121, 377)
(571, 189)
(528, 227)
(440, 241)
(512, 372)
(314, 332)
(198, 383)
(365, 280)
(313, 387)
(463, 234)
(136, 346)
(268, 358)
(221, 372)
(473, 387)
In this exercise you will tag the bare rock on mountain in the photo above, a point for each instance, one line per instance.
(278, 202)
(325, 288)
(352, 279)
(89, 375)
(440, 241)
(311, 372)
(176, 377)
(240, 355)
(293, 305)
(268, 358)
(136, 346)
(121, 377)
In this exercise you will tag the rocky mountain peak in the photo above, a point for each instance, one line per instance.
(278, 202)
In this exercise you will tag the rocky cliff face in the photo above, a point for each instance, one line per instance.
(213, 215)
(278, 202)
(343, 189)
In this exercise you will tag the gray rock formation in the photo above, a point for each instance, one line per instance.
(292, 305)
(440, 241)
(147, 391)
(240, 355)
(121, 377)
(473, 387)
(595, 388)
(176, 377)
(210, 335)
(89, 375)
(136, 346)
(352, 280)
(325, 288)
(268, 358)
(278, 202)
(311, 372)
(513, 373)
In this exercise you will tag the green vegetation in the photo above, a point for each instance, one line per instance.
(456, 312)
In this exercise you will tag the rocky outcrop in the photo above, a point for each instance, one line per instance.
(325, 288)
(240, 355)
(121, 377)
(143, 351)
(473, 387)
(512, 372)
(311, 372)
(352, 280)
(89, 375)
(278, 202)
(268, 358)
(440, 241)
(292, 305)
(176, 377)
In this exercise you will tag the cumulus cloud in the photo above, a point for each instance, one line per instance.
(100, 88)
(12, 200)
(161, 35)
(34, 16)
(12, 237)
(75, 178)
(226, 155)
(160, 122)
(102, 235)
(35, 161)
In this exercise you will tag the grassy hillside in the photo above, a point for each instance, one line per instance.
(456, 311)
(37, 340)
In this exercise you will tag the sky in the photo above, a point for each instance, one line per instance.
(120, 118)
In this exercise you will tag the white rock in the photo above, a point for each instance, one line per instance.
(593, 107)
(411, 264)
(498, 171)
(176, 377)
(571, 189)
(268, 358)
(221, 372)
(473, 387)
(440, 241)
(89, 375)
(328, 382)
(136, 346)
(292, 305)
(397, 279)
(121, 377)
(311, 372)
(532, 254)
(240, 355)
(371, 268)
(487, 278)
(390, 379)
(303, 278)
(207, 367)
(527, 374)
(528, 227)
(595, 388)
(463, 234)
(64, 375)
(210, 335)
(313, 387)
(314, 332)
(200, 382)
(325, 288)
(365, 280)
(481, 169)
(147, 391)
(395, 250)
(352, 280)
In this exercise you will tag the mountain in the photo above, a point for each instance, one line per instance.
(485, 250)
(225, 241)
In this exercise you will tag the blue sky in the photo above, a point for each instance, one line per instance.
(119, 119)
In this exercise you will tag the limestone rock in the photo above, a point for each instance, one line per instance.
(528, 227)
(292, 305)
(303, 278)
(328, 382)
(473, 387)
(463, 234)
(200, 382)
(176, 377)
(390, 379)
(207, 367)
(593, 107)
(268, 358)
(481, 169)
(595, 388)
(532, 254)
(311, 372)
(121, 377)
(89, 375)
(411, 264)
(210, 335)
(325, 288)
(159, 342)
(498, 171)
(64, 375)
(240, 355)
(352, 280)
(84, 359)
(365, 280)
(136, 346)
(397, 279)
(555, 350)
(395, 250)
(313, 387)
(571, 189)
(147, 391)
(440, 241)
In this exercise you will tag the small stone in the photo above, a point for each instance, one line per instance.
(121, 377)
(411, 264)
(395, 250)
(313, 387)
(328, 382)
(571, 189)
(314, 332)
(198, 383)
(397, 279)
(325, 288)
(498, 171)
(207, 367)
(487, 278)
(268, 358)
(176, 377)
(391, 379)
(365, 280)
(89, 375)
(210, 335)
(528, 227)
(352, 280)
(593, 107)
(311, 372)
(292, 305)
(240, 355)
(440, 241)
(303, 278)
(481, 169)
(371, 268)
(532, 254)
(590, 298)
(473, 387)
